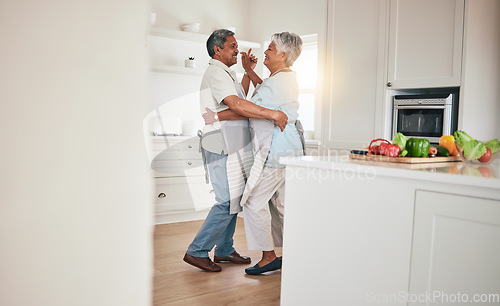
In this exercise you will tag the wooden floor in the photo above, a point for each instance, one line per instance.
(177, 283)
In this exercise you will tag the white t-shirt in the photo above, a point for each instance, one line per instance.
(218, 83)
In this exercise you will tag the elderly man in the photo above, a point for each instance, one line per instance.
(226, 147)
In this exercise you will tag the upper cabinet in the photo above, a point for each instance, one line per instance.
(425, 43)
(354, 78)
(380, 45)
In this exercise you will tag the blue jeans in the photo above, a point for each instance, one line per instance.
(219, 226)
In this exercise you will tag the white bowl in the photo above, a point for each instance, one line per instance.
(191, 27)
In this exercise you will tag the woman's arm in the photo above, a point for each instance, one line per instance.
(245, 83)
(254, 77)
(248, 62)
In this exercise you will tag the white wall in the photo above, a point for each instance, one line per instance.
(480, 109)
(176, 95)
(300, 17)
(211, 15)
(75, 212)
(254, 20)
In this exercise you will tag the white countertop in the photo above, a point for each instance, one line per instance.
(486, 176)
(160, 138)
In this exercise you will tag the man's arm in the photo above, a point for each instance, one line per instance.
(224, 115)
(248, 109)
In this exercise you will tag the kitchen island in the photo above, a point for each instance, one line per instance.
(363, 233)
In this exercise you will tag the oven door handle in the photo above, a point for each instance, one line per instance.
(420, 106)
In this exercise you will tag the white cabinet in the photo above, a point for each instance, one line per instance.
(181, 192)
(425, 43)
(361, 220)
(410, 44)
(456, 245)
(392, 234)
(355, 79)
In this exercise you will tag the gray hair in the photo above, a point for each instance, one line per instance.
(289, 43)
(217, 38)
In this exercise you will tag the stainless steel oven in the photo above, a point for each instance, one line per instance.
(425, 116)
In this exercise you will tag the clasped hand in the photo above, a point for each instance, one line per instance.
(248, 60)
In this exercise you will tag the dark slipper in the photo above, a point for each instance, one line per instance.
(273, 265)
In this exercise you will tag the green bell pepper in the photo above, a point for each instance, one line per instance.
(418, 147)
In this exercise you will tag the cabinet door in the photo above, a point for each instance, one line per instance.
(456, 247)
(425, 43)
(181, 167)
(177, 156)
(355, 53)
(182, 194)
(173, 147)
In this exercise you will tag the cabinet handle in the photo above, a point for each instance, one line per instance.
(389, 84)
(190, 146)
(162, 195)
(190, 163)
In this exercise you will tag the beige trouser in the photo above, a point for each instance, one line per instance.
(264, 211)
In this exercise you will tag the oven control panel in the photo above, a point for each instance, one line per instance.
(422, 101)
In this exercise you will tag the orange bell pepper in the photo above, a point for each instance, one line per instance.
(449, 143)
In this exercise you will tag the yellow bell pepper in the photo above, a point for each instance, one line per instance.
(448, 142)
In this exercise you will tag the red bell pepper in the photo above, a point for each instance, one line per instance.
(374, 149)
(389, 150)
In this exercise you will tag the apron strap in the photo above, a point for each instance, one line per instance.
(300, 129)
(202, 151)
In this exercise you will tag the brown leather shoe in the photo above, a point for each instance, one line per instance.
(234, 258)
(204, 263)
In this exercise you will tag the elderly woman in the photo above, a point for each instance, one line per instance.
(263, 198)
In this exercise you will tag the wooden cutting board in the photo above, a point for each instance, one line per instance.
(406, 160)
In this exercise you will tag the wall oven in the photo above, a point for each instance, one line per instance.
(425, 116)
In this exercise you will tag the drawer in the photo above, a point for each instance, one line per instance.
(182, 193)
(162, 148)
(179, 167)
(179, 151)
(178, 154)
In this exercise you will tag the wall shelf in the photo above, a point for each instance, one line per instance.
(195, 37)
(177, 70)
